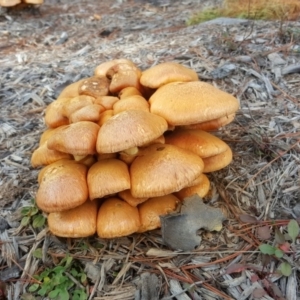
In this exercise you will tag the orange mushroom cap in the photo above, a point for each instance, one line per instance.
(162, 169)
(62, 186)
(116, 218)
(75, 222)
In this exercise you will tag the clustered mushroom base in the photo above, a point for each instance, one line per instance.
(124, 147)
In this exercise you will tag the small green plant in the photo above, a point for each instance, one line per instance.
(282, 10)
(63, 282)
(283, 246)
(32, 215)
(205, 15)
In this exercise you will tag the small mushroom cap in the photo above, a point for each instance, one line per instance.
(165, 73)
(43, 156)
(46, 135)
(201, 188)
(71, 90)
(217, 162)
(76, 103)
(129, 91)
(54, 113)
(162, 170)
(76, 222)
(212, 125)
(124, 75)
(8, 3)
(127, 196)
(77, 138)
(134, 102)
(108, 101)
(116, 218)
(151, 209)
(107, 114)
(129, 129)
(185, 103)
(106, 177)
(102, 69)
(90, 113)
(198, 141)
(62, 186)
(94, 86)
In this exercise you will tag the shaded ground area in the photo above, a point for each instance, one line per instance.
(258, 62)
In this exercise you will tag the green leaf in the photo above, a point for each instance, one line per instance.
(38, 221)
(64, 295)
(69, 261)
(285, 269)
(58, 270)
(34, 210)
(79, 295)
(267, 249)
(74, 272)
(278, 253)
(43, 291)
(293, 229)
(83, 278)
(53, 294)
(25, 211)
(25, 221)
(38, 253)
(34, 287)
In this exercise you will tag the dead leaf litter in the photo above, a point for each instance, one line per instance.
(44, 50)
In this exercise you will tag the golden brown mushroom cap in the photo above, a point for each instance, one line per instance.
(127, 196)
(94, 86)
(124, 75)
(185, 103)
(134, 102)
(163, 169)
(102, 69)
(77, 138)
(151, 209)
(107, 101)
(76, 103)
(129, 91)
(90, 113)
(198, 141)
(129, 129)
(105, 116)
(8, 3)
(212, 125)
(43, 156)
(62, 186)
(217, 162)
(71, 90)
(106, 177)
(75, 222)
(167, 72)
(54, 113)
(201, 188)
(46, 134)
(117, 218)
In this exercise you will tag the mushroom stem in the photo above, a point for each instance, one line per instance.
(132, 151)
(79, 157)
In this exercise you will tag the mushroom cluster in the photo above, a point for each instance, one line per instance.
(126, 146)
